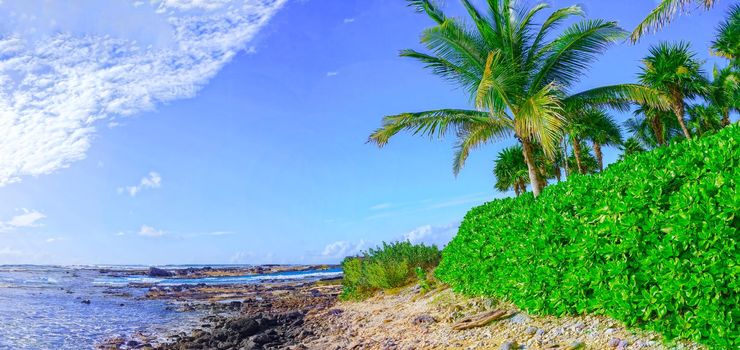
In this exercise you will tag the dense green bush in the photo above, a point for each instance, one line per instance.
(651, 241)
(389, 266)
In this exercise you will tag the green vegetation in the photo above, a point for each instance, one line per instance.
(651, 241)
(389, 266)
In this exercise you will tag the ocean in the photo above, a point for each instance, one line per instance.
(46, 307)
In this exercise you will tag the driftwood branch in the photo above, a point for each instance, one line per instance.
(480, 320)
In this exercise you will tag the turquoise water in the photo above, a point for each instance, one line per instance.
(41, 306)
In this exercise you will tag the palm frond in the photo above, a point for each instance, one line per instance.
(445, 69)
(539, 118)
(662, 14)
(472, 136)
(430, 8)
(436, 123)
(620, 96)
(574, 50)
(726, 43)
(497, 77)
(550, 23)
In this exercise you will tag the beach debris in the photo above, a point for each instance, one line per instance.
(481, 320)
(509, 345)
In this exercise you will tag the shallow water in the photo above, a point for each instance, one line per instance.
(41, 306)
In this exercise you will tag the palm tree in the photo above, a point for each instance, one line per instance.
(587, 161)
(724, 91)
(631, 146)
(515, 75)
(653, 127)
(704, 118)
(511, 170)
(662, 15)
(604, 132)
(726, 43)
(674, 70)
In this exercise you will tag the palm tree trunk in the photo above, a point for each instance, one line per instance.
(556, 169)
(657, 128)
(725, 117)
(679, 109)
(577, 153)
(534, 176)
(565, 157)
(599, 156)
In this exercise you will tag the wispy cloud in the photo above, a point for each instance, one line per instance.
(28, 218)
(348, 20)
(60, 79)
(384, 210)
(153, 180)
(149, 231)
(332, 74)
(54, 239)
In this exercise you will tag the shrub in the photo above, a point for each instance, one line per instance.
(651, 241)
(389, 266)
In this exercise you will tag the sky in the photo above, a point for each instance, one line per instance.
(217, 131)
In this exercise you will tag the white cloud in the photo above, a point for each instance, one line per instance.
(119, 234)
(149, 231)
(342, 249)
(332, 74)
(54, 239)
(153, 180)
(349, 20)
(59, 82)
(428, 234)
(29, 218)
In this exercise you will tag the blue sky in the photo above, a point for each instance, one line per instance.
(196, 131)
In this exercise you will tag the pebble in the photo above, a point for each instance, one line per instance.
(509, 345)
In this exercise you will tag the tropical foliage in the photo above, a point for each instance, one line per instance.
(651, 241)
(663, 14)
(388, 266)
(674, 70)
(726, 43)
(517, 74)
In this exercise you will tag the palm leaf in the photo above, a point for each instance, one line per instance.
(620, 96)
(540, 118)
(434, 123)
(662, 15)
(574, 50)
(472, 136)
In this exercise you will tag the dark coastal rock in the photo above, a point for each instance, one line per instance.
(157, 272)
(86, 301)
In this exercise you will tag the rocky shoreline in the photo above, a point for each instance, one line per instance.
(301, 316)
(268, 315)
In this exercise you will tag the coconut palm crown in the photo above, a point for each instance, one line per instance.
(673, 69)
(726, 43)
(516, 73)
